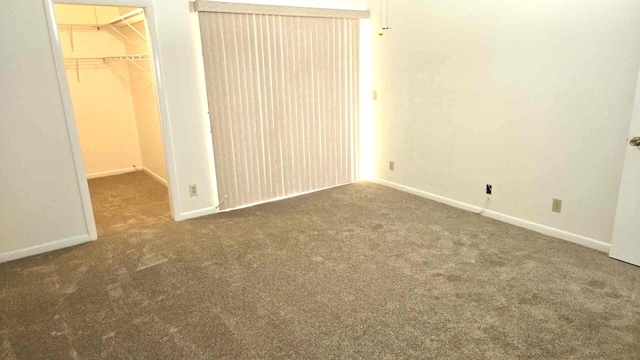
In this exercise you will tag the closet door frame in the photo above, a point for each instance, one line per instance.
(152, 39)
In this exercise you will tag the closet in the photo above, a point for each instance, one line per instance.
(109, 72)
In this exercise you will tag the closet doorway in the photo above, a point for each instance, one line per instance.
(109, 73)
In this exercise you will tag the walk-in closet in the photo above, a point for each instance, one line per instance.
(111, 80)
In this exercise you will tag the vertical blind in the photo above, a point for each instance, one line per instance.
(283, 100)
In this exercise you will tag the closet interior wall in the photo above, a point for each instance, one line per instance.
(145, 101)
(114, 101)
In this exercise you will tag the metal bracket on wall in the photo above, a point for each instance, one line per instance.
(85, 63)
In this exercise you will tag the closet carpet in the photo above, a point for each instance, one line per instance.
(355, 272)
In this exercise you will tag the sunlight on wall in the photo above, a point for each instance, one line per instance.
(366, 105)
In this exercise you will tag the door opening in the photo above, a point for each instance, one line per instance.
(117, 115)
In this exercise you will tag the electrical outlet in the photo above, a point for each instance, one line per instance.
(193, 190)
(489, 189)
(374, 95)
(392, 165)
(556, 206)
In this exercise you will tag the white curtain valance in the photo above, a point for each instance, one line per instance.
(255, 9)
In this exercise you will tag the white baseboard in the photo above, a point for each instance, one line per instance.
(39, 249)
(155, 176)
(197, 213)
(215, 210)
(111, 172)
(127, 170)
(543, 229)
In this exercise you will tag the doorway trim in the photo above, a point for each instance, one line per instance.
(74, 140)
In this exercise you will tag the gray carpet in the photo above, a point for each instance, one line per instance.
(355, 272)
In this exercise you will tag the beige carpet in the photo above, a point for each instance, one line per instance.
(356, 272)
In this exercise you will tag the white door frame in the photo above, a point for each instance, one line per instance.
(152, 38)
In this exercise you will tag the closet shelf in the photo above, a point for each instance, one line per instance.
(129, 57)
(132, 57)
(71, 27)
(77, 61)
(132, 17)
(125, 20)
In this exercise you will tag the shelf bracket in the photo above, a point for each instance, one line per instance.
(139, 67)
(134, 29)
(123, 35)
(71, 37)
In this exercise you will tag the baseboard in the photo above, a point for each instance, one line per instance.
(39, 249)
(111, 172)
(543, 229)
(155, 176)
(197, 213)
(215, 210)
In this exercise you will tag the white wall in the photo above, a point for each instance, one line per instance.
(145, 104)
(102, 97)
(37, 181)
(39, 192)
(184, 76)
(532, 96)
(181, 62)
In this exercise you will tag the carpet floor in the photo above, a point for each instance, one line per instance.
(355, 272)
